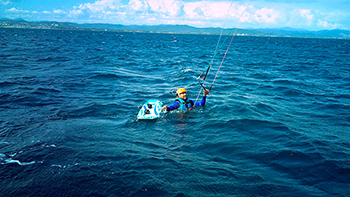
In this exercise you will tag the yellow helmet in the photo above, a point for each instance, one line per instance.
(181, 90)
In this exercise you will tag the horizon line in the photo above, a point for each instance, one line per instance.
(248, 28)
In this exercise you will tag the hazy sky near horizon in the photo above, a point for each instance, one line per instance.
(310, 15)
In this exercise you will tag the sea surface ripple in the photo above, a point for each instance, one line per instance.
(277, 122)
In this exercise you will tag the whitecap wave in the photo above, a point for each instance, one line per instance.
(8, 161)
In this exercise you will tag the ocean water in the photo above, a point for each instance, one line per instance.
(276, 123)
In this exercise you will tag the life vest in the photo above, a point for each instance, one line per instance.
(184, 105)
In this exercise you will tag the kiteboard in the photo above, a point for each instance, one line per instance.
(150, 110)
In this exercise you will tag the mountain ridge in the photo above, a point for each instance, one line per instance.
(177, 29)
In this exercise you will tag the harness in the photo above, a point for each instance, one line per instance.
(184, 105)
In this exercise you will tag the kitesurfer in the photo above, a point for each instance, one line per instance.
(184, 104)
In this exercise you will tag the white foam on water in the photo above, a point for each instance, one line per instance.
(8, 161)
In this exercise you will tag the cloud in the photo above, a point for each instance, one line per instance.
(306, 13)
(223, 13)
(15, 10)
(58, 11)
(3, 2)
(101, 5)
(199, 13)
(104, 11)
(75, 13)
(266, 15)
(207, 9)
(167, 7)
(263, 16)
(327, 25)
(139, 5)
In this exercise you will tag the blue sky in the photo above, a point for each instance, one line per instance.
(310, 15)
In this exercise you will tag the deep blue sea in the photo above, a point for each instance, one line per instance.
(276, 123)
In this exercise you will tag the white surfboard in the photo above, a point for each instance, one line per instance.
(150, 110)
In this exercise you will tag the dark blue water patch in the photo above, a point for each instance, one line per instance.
(91, 110)
(104, 77)
(35, 98)
(286, 161)
(81, 186)
(53, 59)
(7, 84)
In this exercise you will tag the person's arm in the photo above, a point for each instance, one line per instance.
(173, 106)
(202, 103)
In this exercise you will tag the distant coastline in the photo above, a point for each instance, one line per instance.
(176, 29)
